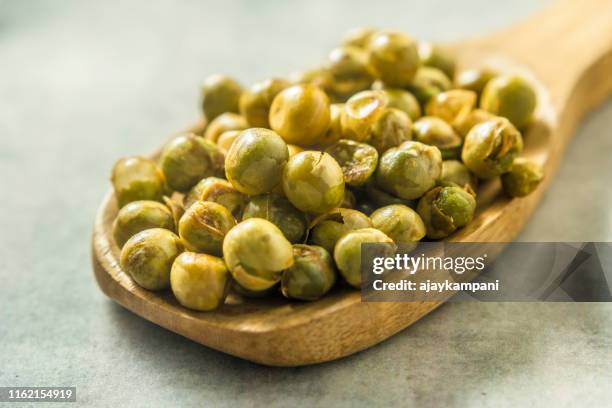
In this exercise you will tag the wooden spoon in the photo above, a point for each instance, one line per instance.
(566, 50)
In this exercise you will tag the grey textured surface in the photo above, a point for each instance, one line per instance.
(84, 83)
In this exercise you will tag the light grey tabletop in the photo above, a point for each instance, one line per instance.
(86, 82)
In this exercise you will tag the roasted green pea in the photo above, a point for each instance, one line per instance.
(204, 225)
(400, 223)
(328, 228)
(312, 274)
(464, 125)
(455, 173)
(347, 252)
(138, 216)
(226, 139)
(255, 161)
(409, 170)
(300, 114)
(255, 102)
(433, 55)
(349, 200)
(445, 209)
(334, 132)
(523, 178)
(219, 191)
(379, 198)
(317, 76)
(220, 94)
(436, 132)
(198, 281)
(175, 205)
(137, 178)
(148, 256)
(429, 82)
(313, 182)
(474, 79)
(187, 159)
(359, 37)
(510, 96)
(392, 128)
(360, 112)
(404, 101)
(195, 194)
(348, 67)
(279, 211)
(256, 251)
(357, 160)
(223, 123)
(452, 106)
(491, 147)
(393, 57)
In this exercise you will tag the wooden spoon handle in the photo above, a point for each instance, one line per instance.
(569, 48)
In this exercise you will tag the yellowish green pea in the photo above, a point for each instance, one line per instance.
(199, 281)
(148, 256)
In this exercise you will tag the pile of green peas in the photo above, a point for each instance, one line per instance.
(384, 142)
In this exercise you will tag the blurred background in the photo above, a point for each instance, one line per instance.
(86, 82)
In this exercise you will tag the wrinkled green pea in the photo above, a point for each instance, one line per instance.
(256, 251)
(379, 198)
(204, 225)
(409, 170)
(360, 112)
(317, 76)
(436, 132)
(394, 57)
(223, 123)
(279, 211)
(313, 182)
(523, 178)
(300, 114)
(255, 102)
(490, 148)
(455, 173)
(510, 96)
(334, 132)
(137, 178)
(255, 161)
(220, 94)
(328, 228)
(219, 191)
(357, 160)
(400, 223)
(198, 281)
(404, 101)
(359, 37)
(435, 56)
(187, 159)
(348, 67)
(452, 106)
(148, 256)
(349, 200)
(138, 216)
(474, 79)
(427, 83)
(464, 125)
(312, 274)
(347, 252)
(226, 139)
(445, 209)
(392, 128)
